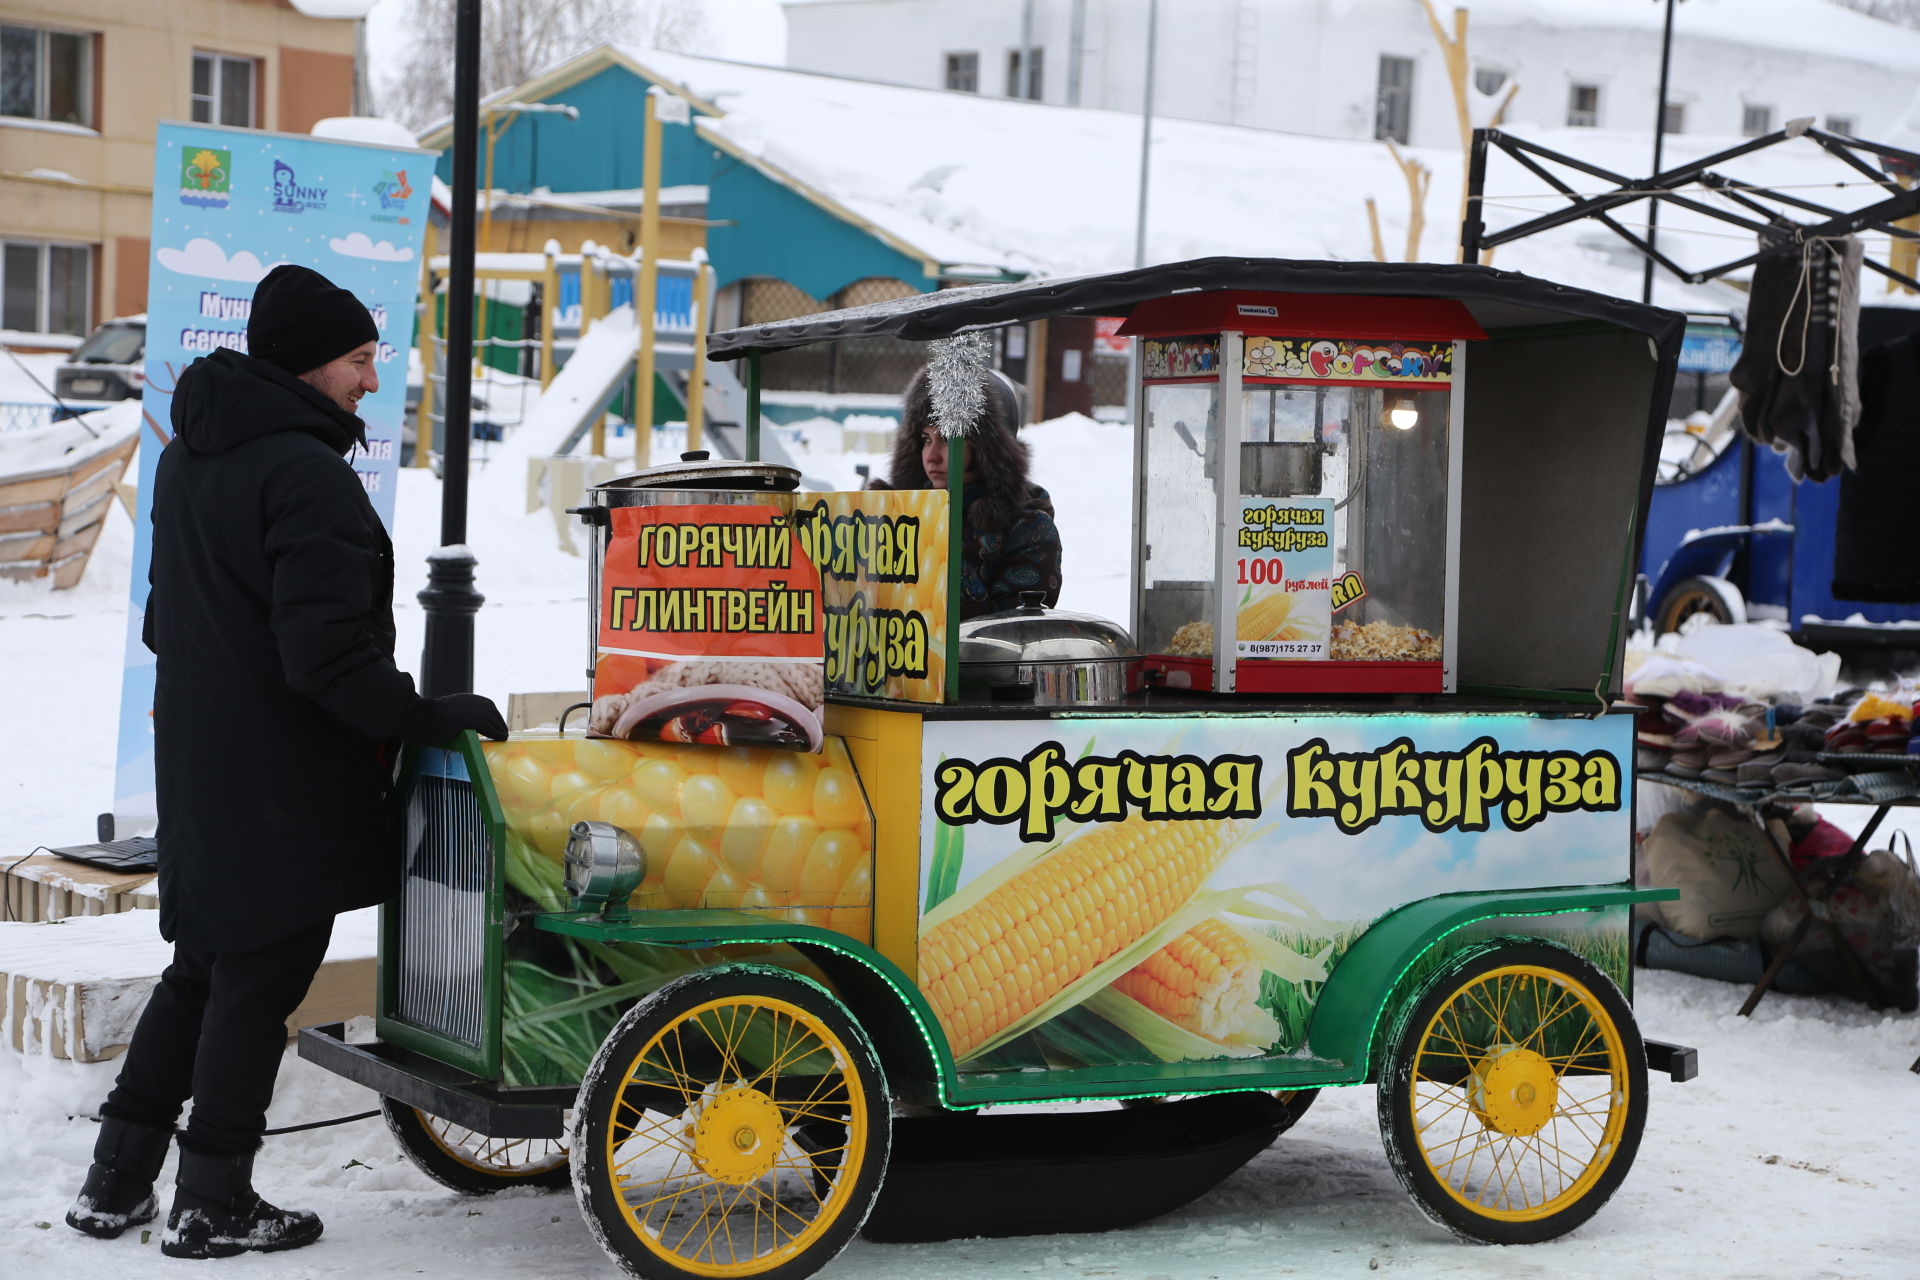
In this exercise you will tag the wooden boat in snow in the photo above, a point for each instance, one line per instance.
(51, 514)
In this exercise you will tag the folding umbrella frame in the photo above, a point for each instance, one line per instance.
(1777, 233)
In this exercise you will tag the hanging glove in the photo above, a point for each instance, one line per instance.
(431, 722)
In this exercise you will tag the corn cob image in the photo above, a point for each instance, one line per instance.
(930, 508)
(1207, 981)
(1004, 961)
(1270, 617)
(736, 827)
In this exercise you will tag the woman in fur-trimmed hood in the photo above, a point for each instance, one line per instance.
(1010, 542)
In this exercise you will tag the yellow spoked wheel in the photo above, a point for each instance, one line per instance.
(1515, 1097)
(735, 1123)
(471, 1162)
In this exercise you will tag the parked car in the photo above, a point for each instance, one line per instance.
(109, 365)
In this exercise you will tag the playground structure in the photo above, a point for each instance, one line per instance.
(568, 295)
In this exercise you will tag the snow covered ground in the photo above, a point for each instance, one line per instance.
(1796, 1153)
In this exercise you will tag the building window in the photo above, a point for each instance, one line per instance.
(46, 75)
(1755, 121)
(1489, 80)
(1034, 70)
(1840, 124)
(45, 288)
(1393, 101)
(1583, 106)
(963, 72)
(223, 90)
(1674, 118)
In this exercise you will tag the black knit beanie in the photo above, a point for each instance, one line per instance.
(301, 320)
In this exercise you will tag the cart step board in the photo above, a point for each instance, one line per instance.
(75, 988)
(1033, 1173)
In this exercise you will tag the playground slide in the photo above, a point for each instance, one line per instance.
(593, 375)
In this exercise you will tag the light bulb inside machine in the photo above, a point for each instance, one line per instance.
(1402, 413)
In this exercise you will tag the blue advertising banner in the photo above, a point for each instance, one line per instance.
(229, 205)
(1709, 349)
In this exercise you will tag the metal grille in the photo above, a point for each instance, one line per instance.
(866, 365)
(443, 904)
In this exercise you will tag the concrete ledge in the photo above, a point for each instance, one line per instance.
(48, 887)
(75, 988)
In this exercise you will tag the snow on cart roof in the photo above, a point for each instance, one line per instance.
(1497, 299)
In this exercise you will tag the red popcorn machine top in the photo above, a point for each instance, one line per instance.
(1330, 558)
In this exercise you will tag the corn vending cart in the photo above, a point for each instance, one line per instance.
(762, 954)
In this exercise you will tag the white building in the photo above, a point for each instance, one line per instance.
(1372, 68)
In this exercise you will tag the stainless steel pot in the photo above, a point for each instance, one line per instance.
(1048, 656)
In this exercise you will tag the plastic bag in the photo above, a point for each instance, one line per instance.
(1727, 876)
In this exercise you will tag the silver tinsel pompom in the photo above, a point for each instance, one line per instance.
(956, 377)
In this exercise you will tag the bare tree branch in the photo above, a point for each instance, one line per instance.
(522, 38)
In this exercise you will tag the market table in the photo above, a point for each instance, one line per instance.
(1885, 789)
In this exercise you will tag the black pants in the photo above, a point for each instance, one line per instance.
(213, 1031)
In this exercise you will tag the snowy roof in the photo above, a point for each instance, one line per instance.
(1048, 190)
(1495, 299)
(1817, 27)
(1035, 189)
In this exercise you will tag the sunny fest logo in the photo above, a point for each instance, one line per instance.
(394, 192)
(289, 196)
(206, 177)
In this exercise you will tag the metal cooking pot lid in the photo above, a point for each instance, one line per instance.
(697, 470)
(1034, 633)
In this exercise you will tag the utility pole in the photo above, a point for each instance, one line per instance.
(1023, 76)
(1146, 138)
(450, 601)
(1076, 51)
(1659, 145)
(1140, 218)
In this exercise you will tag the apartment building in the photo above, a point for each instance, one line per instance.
(82, 84)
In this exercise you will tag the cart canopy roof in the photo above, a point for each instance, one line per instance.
(1561, 411)
(1497, 300)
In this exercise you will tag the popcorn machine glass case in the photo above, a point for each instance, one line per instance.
(1319, 554)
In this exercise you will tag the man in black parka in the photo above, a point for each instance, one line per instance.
(276, 705)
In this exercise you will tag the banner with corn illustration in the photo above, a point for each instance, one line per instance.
(1100, 890)
(1283, 562)
(882, 557)
(780, 832)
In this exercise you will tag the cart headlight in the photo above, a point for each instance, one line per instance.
(604, 866)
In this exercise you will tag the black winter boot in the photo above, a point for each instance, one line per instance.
(118, 1192)
(217, 1214)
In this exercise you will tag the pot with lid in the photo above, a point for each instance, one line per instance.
(696, 479)
(701, 478)
(1048, 656)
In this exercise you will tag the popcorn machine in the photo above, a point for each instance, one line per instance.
(1324, 430)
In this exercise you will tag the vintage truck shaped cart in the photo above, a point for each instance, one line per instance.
(788, 905)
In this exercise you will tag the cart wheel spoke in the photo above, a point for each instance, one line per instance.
(475, 1163)
(776, 1140)
(1515, 1094)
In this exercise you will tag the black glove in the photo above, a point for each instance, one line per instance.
(431, 722)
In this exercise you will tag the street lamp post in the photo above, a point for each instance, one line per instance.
(450, 600)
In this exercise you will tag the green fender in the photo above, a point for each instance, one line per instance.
(885, 1004)
(1366, 983)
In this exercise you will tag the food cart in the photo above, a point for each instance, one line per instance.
(826, 883)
